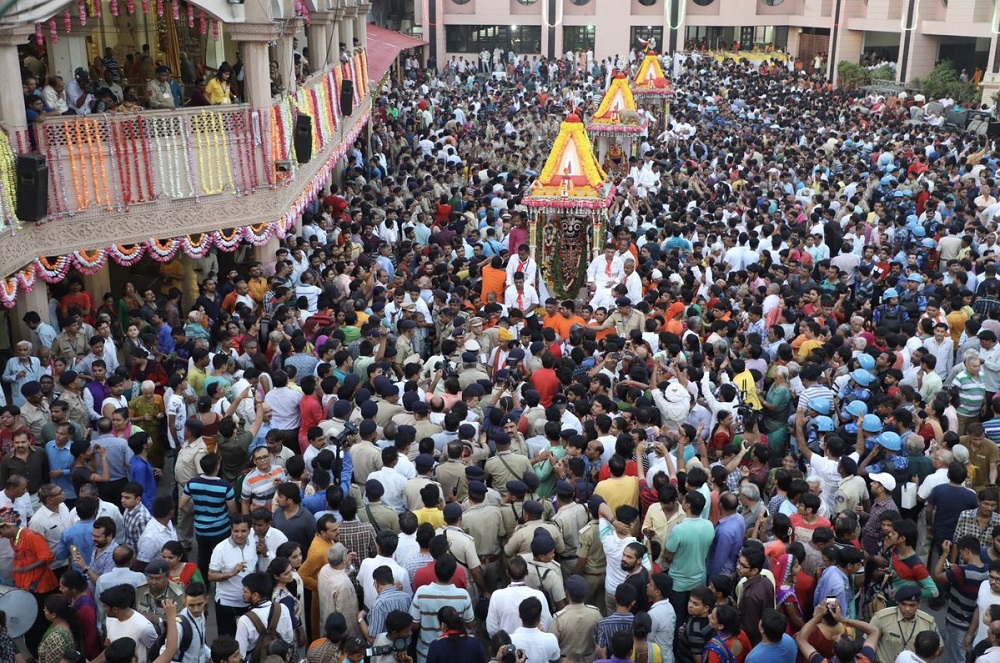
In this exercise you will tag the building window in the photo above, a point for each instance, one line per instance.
(644, 34)
(522, 39)
(578, 38)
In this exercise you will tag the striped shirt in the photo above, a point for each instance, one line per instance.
(972, 392)
(616, 621)
(211, 513)
(965, 580)
(258, 487)
(426, 603)
(388, 600)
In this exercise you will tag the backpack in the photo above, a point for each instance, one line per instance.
(185, 638)
(721, 650)
(265, 635)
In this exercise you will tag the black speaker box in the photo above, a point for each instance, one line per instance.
(32, 187)
(303, 138)
(346, 97)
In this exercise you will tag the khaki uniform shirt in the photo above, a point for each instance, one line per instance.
(546, 577)
(623, 325)
(896, 633)
(411, 491)
(386, 411)
(469, 376)
(484, 522)
(575, 626)
(512, 514)
(506, 466)
(592, 549)
(367, 458)
(519, 542)
(451, 476)
(379, 516)
(36, 417)
(425, 429)
(571, 518)
(463, 547)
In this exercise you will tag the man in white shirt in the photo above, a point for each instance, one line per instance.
(79, 99)
(158, 531)
(232, 560)
(538, 646)
(632, 281)
(264, 538)
(386, 542)
(522, 262)
(522, 296)
(51, 518)
(503, 613)
(257, 590)
(391, 481)
(124, 622)
(603, 274)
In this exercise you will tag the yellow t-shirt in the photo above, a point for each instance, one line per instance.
(619, 491)
(808, 346)
(433, 516)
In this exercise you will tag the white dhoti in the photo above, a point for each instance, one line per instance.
(604, 297)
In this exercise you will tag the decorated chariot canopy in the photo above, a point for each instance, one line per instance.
(649, 81)
(572, 181)
(617, 115)
(567, 207)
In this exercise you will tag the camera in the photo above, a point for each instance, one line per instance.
(341, 439)
(398, 645)
(511, 654)
(446, 368)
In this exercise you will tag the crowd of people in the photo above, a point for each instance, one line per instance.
(767, 430)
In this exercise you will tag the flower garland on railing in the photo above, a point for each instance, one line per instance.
(127, 255)
(166, 132)
(8, 185)
(79, 184)
(213, 149)
(120, 147)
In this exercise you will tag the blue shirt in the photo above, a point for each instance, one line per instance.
(315, 503)
(80, 535)
(165, 339)
(726, 547)
(61, 459)
(783, 651)
(834, 582)
(118, 455)
(141, 472)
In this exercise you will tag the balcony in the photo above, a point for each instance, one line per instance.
(117, 181)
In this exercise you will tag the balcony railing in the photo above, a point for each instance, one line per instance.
(116, 162)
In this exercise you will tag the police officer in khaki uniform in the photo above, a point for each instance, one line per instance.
(506, 465)
(379, 515)
(532, 482)
(575, 626)
(571, 517)
(519, 542)
(388, 402)
(411, 491)
(591, 562)
(423, 425)
(470, 371)
(404, 342)
(513, 508)
(463, 546)
(544, 573)
(484, 522)
(451, 473)
(493, 498)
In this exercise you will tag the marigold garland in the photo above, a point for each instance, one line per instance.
(147, 160)
(54, 270)
(90, 262)
(8, 183)
(82, 194)
(125, 256)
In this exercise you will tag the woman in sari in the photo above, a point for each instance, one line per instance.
(786, 568)
(147, 410)
(58, 638)
(74, 586)
(130, 301)
(776, 410)
(181, 570)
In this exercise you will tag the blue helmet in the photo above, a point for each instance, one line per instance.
(857, 408)
(890, 441)
(824, 424)
(890, 294)
(861, 376)
(866, 361)
(928, 243)
(871, 424)
(821, 405)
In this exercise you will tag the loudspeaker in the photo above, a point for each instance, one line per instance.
(303, 138)
(346, 97)
(32, 187)
(994, 130)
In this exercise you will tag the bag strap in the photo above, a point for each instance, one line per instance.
(255, 620)
(509, 468)
(274, 616)
(371, 518)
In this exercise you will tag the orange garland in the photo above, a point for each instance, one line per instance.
(93, 159)
(82, 195)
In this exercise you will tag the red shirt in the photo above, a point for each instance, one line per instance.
(546, 383)
(426, 576)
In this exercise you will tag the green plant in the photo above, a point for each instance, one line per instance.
(852, 75)
(942, 81)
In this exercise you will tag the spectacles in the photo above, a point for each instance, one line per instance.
(994, 579)
(264, 457)
(742, 565)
